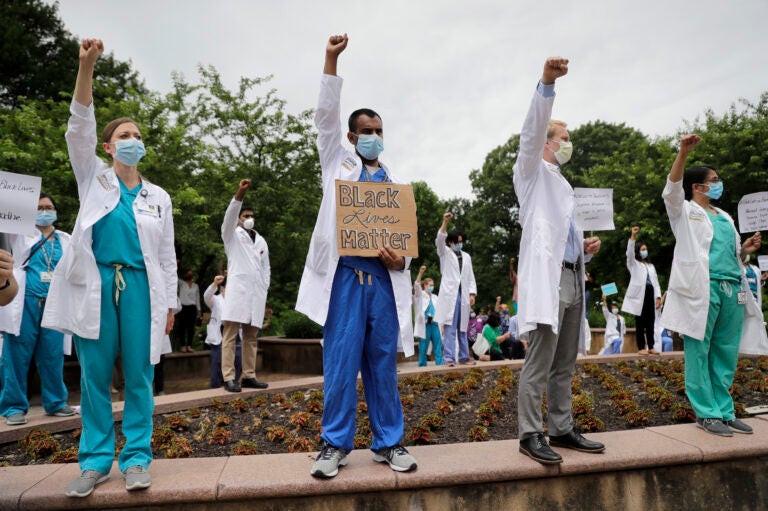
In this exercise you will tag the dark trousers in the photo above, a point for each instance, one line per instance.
(185, 323)
(646, 322)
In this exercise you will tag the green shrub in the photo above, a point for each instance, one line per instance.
(298, 326)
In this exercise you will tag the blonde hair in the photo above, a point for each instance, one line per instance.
(425, 282)
(551, 127)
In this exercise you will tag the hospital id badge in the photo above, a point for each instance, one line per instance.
(46, 276)
(149, 209)
(742, 297)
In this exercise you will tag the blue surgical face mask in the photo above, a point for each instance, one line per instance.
(644, 254)
(45, 218)
(369, 146)
(130, 151)
(430, 288)
(457, 247)
(615, 310)
(715, 190)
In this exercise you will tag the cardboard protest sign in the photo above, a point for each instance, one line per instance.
(593, 209)
(19, 195)
(372, 215)
(609, 289)
(753, 212)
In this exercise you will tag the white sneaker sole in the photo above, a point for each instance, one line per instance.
(327, 475)
(138, 485)
(378, 458)
(726, 434)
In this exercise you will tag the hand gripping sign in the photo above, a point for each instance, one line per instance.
(372, 215)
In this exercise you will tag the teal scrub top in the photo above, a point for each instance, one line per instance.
(44, 259)
(723, 264)
(115, 236)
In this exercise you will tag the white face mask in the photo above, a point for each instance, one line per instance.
(563, 154)
(615, 311)
(248, 224)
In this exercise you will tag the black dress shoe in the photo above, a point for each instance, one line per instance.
(232, 386)
(537, 449)
(253, 383)
(575, 441)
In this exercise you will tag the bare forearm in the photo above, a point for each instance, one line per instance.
(84, 84)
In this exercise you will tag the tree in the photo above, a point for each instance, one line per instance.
(429, 214)
(38, 57)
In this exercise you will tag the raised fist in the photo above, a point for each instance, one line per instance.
(635, 230)
(422, 269)
(90, 50)
(447, 216)
(336, 44)
(688, 142)
(554, 68)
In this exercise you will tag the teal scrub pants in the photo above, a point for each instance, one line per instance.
(47, 348)
(124, 330)
(432, 332)
(711, 363)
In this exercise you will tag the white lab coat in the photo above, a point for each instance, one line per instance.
(248, 271)
(74, 299)
(11, 314)
(323, 256)
(638, 274)
(687, 304)
(215, 303)
(754, 340)
(450, 281)
(546, 207)
(420, 304)
(612, 329)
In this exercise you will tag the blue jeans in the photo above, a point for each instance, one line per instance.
(450, 330)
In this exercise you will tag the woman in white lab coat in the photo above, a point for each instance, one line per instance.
(115, 289)
(707, 300)
(643, 297)
(754, 340)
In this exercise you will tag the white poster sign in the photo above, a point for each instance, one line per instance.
(19, 195)
(762, 262)
(753, 212)
(593, 209)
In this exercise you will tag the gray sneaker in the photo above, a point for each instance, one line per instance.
(398, 457)
(83, 485)
(137, 478)
(714, 426)
(328, 461)
(739, 427)
(64, 411)
(17, 419)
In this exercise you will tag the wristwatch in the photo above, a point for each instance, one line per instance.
(7, 284)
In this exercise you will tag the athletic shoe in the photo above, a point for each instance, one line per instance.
(137, 478)
(17, 419)
(739, 427)
(397, 456)
(83, 485)
(714, 426)
(328, 461)
(64, 411)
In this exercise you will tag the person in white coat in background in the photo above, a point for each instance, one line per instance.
(25, 340)
(552, 256)
(643, 296)
(615, 330)
(363, 303)
(754, 340)
(708, 299)
(457, 293)
(248, 277)
(425, 328)
(214, 299)
(115, 288)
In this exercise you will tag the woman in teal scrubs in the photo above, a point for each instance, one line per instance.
(116, 289)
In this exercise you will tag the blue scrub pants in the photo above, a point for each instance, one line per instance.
(432, 332)
(615, 348)
(450, 330)
(360, 334)
(47, 347)
(124, 330)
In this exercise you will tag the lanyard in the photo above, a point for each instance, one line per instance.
(49, 258)
(36, 248)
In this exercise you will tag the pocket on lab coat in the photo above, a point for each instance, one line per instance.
(635, 291)
(320, 253)
(686, 278)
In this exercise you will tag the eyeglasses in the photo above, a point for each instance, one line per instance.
(713, 181)
(46, 208)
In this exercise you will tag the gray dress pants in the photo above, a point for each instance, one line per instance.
(549, 364)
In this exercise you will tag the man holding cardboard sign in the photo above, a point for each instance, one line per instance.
(363, 301)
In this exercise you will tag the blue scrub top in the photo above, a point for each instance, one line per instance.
(44, 259)
(115, 236)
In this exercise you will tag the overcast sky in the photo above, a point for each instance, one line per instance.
(453, 79)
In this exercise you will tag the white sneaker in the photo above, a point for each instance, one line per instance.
(328, 461)
(397, 456)
(137, 478)
(84, 485)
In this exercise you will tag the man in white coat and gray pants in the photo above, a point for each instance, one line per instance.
(551, 296)
(248, 276)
